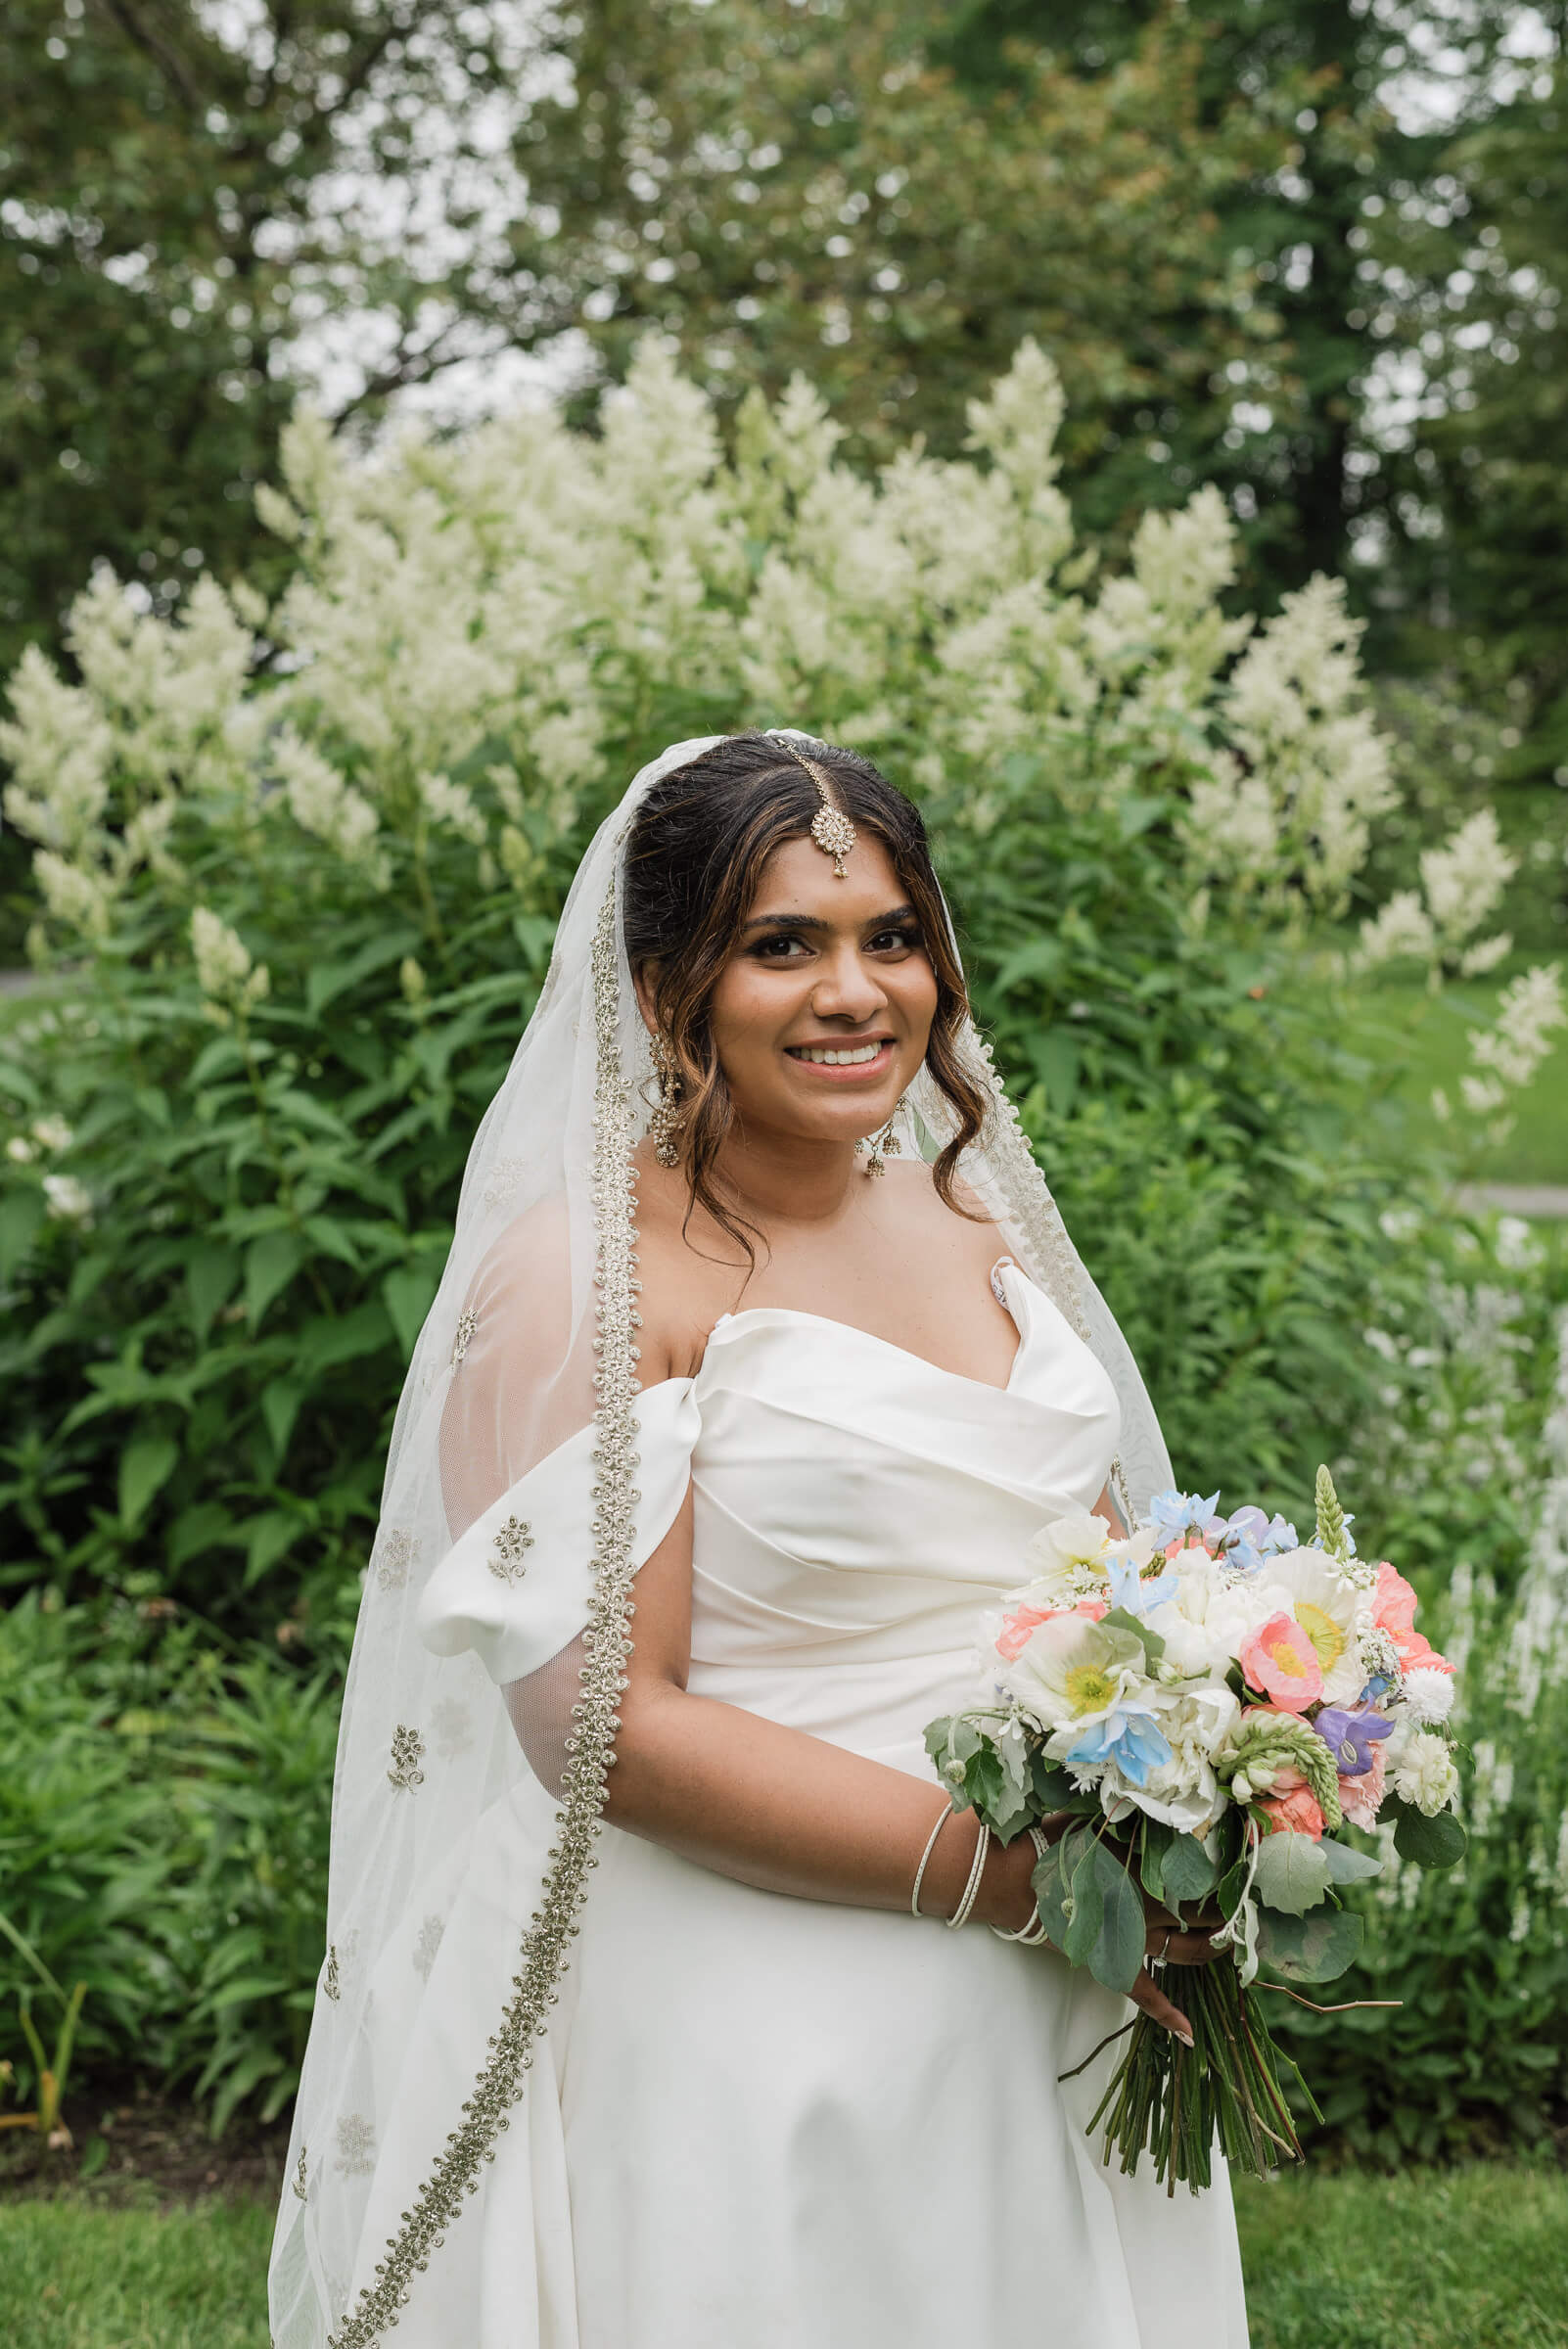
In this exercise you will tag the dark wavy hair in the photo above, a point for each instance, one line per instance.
(694, 862)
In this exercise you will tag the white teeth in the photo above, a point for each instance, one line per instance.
(845, 1059)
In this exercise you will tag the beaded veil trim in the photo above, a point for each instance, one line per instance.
(606, 1645)
(1036, 1213)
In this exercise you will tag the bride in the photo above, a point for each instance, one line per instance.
(759, 1340)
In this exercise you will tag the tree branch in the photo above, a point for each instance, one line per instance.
(152, 43)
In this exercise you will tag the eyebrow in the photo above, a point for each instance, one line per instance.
(812, 921)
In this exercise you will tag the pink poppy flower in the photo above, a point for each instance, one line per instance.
(1394, 1612)
(1013, 1637)
(1393, 1602)
(1279, 1659)
(1293, 1807)
(1361, 1798)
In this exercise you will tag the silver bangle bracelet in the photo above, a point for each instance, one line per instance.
(960, 1915)
(1029, 1935)
(931, 1844)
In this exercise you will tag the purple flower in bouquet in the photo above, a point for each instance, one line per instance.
(1351, 1736)
(1249, 1537)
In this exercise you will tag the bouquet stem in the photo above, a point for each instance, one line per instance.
(1175, 2101)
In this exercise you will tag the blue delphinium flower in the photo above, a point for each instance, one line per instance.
(1129, 1590)
(1172, 1513)
(1351, 1736)
(1249, 1537)
(1127, 1738)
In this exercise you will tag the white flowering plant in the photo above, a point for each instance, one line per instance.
(1200, 1710)
(299, 861)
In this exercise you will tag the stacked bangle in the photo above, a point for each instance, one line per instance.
(1034, 1933)
(960, 1915)
(943, 1817)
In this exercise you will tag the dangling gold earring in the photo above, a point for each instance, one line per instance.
(666, 1123)
(882, 1146)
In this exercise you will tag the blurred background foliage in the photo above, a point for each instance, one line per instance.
(362, 732)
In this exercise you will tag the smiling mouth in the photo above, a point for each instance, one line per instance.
(840, 1056)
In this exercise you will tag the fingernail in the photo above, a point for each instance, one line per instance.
(1185, 2037)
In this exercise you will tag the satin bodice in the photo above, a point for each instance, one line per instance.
(854, 1507)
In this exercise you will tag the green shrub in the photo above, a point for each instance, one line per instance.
(1465, 1482)
(163, 1822)
(298, 873)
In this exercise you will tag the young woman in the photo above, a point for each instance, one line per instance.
(759, 1356)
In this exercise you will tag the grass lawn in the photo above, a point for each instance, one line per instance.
(1473, 2258)
(1427, 1039)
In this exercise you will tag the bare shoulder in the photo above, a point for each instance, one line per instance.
(690, 1273)
(915, 1213)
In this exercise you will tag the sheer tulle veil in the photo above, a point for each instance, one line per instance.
(411, 2131)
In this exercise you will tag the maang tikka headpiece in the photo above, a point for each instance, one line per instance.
(831, 828)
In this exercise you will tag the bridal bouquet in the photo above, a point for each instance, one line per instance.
(1213, 1702)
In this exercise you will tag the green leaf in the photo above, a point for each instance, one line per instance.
(1116, 1958)
(145, 1466)
(1309, 1949)
(281, 1399)
(334, 1338)
(1119, 1620)
(1050, 1891)
(1155, 1842)
(1429, 1842)
(266, 1538)
(1292, 1873)
(329, 980)
(211, 1270)
(1188, 1872)
(208, 1526)
(270, 1264)
(21, 1216)
(1348, 1865)
(1085, 1908)
(409, 1293)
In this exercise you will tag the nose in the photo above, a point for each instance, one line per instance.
(847, 988)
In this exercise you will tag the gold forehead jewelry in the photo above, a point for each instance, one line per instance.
(831, 828)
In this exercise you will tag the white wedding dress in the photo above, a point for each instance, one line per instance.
(763, 2121)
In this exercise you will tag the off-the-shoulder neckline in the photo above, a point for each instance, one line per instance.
(728, 1325)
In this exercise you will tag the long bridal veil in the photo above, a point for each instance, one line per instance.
(413, 2108)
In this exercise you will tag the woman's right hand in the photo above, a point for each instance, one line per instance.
(1173, 1940)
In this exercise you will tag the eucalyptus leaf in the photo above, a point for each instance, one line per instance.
(1309, 1949)
(1429, 1842)
(1292, 1873)
(1155, 1842)
(1188, 1872)
(1346, 1864)
(1116, 1957)
(1085, 1908)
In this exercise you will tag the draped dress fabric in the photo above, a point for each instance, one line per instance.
(771, 2123)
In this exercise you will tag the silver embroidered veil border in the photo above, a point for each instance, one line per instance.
(538, 1309)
